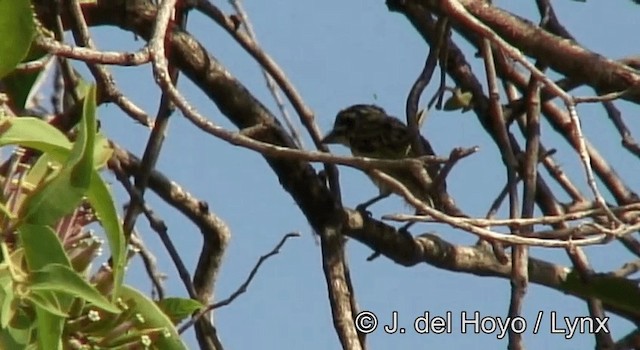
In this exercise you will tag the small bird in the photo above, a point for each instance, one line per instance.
(368, 131)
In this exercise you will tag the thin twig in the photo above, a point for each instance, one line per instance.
(541, 220)
(208, 126)
(265, 61)
(243, 287)
(478, 231)
(150, 264)
(561, 122)
(615, 116)
(33, 66)
(460, 13)
(106, 82)
(520, 254)
(627, 269)
(519, 276)
(497, 247)
(160, 227)
(92, 56)
(271, 84)
(454, 156)
(413, 99)
(600, 98)
(154, 144)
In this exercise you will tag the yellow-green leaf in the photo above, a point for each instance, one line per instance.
(16, 31)
(102, 203)
(458, 100)
(62, 279)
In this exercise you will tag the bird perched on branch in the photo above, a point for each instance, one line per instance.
(368, 131)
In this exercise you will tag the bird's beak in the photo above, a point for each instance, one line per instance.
(331, 137)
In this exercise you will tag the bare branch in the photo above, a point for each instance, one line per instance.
(243, 287)
(92, 56)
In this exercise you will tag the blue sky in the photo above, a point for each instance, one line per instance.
(337, 54)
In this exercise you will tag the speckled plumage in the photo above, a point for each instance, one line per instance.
(368, 131)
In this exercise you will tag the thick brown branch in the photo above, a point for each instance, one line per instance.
(562, 55)
(433, 250)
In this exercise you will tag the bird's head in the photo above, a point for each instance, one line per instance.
(350, 121)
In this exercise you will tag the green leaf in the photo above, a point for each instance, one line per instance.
(34, 133)
(40, 171)
(153, 318)
(103, 151)
(62, 279)
(61, 195)
(19, 86)
(19, 331)
(133, 340)
(48, 301)
(82, 151)
(37, 134)
(49, 329)
(13, 338)
(104, 206)
(81, 88)
(179, 308)
(13, 263)
(23, 320)
(7, 309)
(16, 29)
(41, 246)
(51, 200)
(459, 100)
